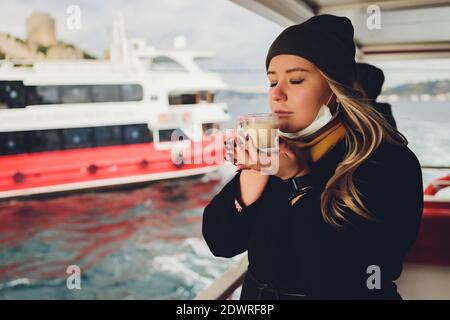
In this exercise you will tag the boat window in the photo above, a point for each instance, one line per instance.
(205, 63)
(42, 95)
(203, 96)
(73, 138)
(77, 138)
(132, 92)
(209, 126)
(44, 140)
(108, 136)
(179, 98)
(172, 135)
(12, 142)
(136, 134)
(164, 63)
(184, 98)
(106, 93)
(75, 94)
(2, 98)
(12, 94)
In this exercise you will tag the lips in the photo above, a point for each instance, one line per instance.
(280, 113)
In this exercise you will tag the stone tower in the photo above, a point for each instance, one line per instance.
(41, 29)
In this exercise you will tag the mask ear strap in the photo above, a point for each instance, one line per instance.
(329, 99)
(338, 107)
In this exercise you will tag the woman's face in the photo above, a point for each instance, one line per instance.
(297, 88)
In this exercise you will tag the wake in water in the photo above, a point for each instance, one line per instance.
(144, 243)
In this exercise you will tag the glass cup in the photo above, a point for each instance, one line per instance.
(262, 128)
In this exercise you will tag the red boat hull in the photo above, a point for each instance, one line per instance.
(433, 243)
(46, 172)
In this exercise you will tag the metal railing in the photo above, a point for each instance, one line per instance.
(223, 287)
(435, 167)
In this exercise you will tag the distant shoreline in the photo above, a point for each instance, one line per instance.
(248, 94)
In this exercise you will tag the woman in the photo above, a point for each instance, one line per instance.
(345, 206)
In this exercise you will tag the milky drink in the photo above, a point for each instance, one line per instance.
(261, 127)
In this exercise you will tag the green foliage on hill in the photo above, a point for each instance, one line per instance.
(430, 87)
(43, 49)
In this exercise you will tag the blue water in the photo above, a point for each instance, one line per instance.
(145, 242)
(136, 244)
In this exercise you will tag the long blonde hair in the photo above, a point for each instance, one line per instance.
(365, 129)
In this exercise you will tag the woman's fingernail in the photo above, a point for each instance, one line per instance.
(235, 145)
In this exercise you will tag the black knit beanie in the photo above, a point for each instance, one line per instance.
(326, 41)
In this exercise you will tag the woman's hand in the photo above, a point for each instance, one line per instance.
(293, 163)
(285, 162)
(252, 182)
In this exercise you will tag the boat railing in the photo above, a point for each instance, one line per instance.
(224, 287)
(435, 167)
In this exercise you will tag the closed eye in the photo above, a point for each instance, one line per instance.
(292, 82)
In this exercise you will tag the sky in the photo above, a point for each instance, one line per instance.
(239, 38)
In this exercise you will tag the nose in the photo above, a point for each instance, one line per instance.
(278, 94)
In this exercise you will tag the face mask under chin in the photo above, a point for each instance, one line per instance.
(323, 117)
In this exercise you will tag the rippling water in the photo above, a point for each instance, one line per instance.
(145, 243)
(141, 243)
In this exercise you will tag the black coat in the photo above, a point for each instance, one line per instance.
(292, 249)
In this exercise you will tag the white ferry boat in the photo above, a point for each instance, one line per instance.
(75, 124)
